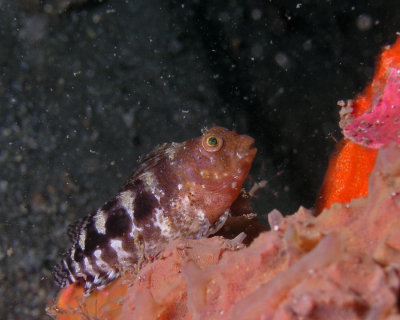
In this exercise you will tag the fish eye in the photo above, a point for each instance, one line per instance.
(212, 143)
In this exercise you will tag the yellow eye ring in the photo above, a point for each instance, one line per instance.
(212, 143)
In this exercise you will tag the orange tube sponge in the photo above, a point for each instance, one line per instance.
(370, 122)
(347, 174)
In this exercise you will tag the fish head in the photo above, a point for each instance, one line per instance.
(218, 164)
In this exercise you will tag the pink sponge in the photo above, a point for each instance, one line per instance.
(381, 125)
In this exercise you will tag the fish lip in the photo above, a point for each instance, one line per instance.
(251, 146)
(252, 149)
(252, 152)
(249, 149)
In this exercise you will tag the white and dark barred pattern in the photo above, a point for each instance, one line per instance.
(179, 190)
(143, 215)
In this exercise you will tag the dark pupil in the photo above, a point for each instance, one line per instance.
(212, 141)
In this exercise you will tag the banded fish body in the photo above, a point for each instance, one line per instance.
(179, 190)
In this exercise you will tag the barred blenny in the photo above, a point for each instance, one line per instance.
(179, 190)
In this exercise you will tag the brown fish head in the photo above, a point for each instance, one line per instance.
(227, 157)
(218, 164)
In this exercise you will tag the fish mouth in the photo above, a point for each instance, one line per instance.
(248, 149)
(253, 150)
(251, 153)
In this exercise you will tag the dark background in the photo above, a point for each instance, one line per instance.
(88, 86)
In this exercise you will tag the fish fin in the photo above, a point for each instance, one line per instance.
(75, 228)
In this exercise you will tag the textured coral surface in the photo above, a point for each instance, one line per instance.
(343, 264)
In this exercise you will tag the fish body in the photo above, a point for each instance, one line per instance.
(179, 190)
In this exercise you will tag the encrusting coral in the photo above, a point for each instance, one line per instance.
(342, 264)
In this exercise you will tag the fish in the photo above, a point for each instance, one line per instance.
(178, 191)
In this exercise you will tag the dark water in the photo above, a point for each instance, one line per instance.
(84, 92)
